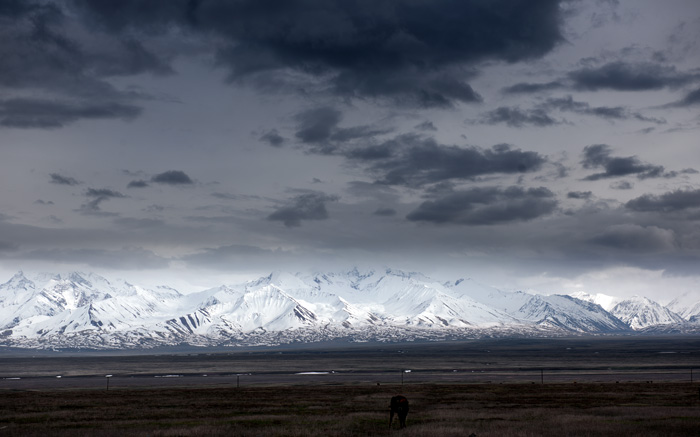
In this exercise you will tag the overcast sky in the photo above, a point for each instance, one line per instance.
(536, 145)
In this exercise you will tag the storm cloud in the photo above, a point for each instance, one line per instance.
(98, 196)
(466, 136)
(52, 78)
(630, 237)
(624, 76)
(672, 201)
(360, 49)
(273, 138)
(172, 177)
(63, 180)
(305, 206)
(486, 206)
(690, 99)
(606, 112)
(516, 117)
(413, 160)
(35, 113)
(599, 156)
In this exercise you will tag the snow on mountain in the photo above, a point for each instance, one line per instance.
(58, 306)
(45, 295)
(687, 305)
(87, 310)
(640, 312)
(557, 311)
(605, 301)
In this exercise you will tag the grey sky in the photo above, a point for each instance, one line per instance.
(542, 145)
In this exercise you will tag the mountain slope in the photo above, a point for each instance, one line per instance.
(89, 311)
(687, 305)
(639, 313)
(564, 312)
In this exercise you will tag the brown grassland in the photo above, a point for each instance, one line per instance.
(590, 409)
(489, 388)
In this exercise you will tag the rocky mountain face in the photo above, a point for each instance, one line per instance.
(81, 310)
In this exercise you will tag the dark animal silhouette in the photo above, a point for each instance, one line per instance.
(398, 406)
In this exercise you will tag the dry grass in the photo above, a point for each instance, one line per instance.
(436, 410)
(491, 394)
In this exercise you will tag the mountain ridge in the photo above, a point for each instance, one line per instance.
(88, 311)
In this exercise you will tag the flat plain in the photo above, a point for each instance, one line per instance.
(627, 386)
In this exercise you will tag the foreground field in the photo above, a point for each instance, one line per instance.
(623, 409)
(508, 387)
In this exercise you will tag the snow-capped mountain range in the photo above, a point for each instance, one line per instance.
(85, 310)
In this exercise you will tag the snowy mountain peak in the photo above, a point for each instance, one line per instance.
(605, 301)
(640, 312)
(87, 310)
(686, 305)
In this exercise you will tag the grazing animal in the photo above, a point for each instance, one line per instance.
(398, 406)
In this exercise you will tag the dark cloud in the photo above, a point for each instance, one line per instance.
(318, 129)
(316, 125)
(672, 201)
(273, 138)
(487, 206)
(172, 177)
(623, 76)
(138, 223)
(414, 160)
(229, 196)
(43, 202)
(36, 113)
(413, 88)
(529, 88)
(630, 237)
(103, 192)
(598, 155)
(426, 126)
(306, 206)
(607, 112)
(385, 212)
(129, 57)
(98, 196)
(380, 192)
(137, 184)
(516, 117)
(690, 99)
(43, 55)
(357, 133)
(622, 185)
(63, 180)
(579, 195)
(361, 48)
(617, 75)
